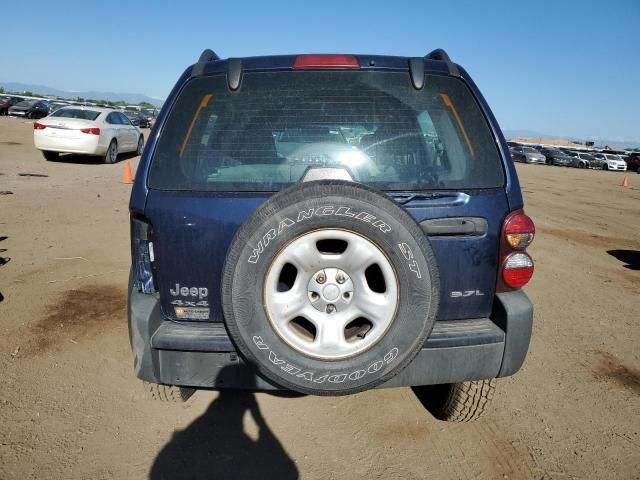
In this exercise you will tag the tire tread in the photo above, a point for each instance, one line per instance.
(168, 393)
(457, 402)
(467, 401)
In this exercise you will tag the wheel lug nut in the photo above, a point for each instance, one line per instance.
(331, 308)
(346, 295)
(320, 278)
(314, 296)
(340, 278)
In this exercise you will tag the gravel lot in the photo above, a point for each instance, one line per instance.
(70, 406)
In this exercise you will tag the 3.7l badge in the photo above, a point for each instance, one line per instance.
(466, 293)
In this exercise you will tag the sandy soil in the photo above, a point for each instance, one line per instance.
(70, 406)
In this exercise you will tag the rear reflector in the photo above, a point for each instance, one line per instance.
(39, 126)
(331, 61)
(92, 131)
(517, 270)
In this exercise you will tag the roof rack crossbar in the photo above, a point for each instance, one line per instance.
(206, 56)
(441, 55)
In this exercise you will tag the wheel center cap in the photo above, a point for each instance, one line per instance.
(331, 292)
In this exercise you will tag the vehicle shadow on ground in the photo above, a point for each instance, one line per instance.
(630, 257)
(215, 446)
(92, 159)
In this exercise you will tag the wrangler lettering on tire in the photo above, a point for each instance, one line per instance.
(329, 288)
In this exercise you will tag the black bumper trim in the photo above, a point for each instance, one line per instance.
(202, 355)
(199, 337)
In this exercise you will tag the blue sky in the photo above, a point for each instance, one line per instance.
(565, 68)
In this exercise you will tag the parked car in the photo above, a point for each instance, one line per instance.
(53, 106)
(138, 119)
(576, 161)
(586, 160)
(611, 162)
(30, 109)
(88, 131)
(313, 270)
(527, 155)
(556, 157)
(633, 162)
(8, 101)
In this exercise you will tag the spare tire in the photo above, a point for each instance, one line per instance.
(329, 288)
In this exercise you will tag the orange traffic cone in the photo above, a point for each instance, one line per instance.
(625, 182)
(126, 174)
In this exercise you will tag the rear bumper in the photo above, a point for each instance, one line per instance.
(87, 145)
(202, 355)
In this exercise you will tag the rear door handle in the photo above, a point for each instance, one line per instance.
(455, 226)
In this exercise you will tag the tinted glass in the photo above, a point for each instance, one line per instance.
(76, 113)
(278, 125)
(26, 103)
(124, 120)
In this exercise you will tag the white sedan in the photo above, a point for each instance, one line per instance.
(614, 162)
(87, 131)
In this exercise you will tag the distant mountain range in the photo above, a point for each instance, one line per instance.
(599, 141)
(132, 98)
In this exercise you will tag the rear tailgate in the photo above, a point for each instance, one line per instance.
(192, 232)
(467, 250)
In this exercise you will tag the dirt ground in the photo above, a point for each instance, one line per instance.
(71, 408)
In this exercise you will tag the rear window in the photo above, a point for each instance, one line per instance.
(26, 103)
(266, 136)
(76, 113)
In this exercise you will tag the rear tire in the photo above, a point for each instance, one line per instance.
(605, 167)
(457, 402)
(140, 146)
(168, 393)
(112, 152)
(50, 156)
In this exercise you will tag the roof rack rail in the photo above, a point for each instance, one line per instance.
(416, 71)
(207, 55)
(234, 73)
(440, 54)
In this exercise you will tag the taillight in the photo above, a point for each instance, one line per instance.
(517, 270)
(142, 255)
(92, 131)
(516, 266)
(331, 61)
(519, 230)
(39, 126)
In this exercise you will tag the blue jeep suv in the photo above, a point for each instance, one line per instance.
(328, 224)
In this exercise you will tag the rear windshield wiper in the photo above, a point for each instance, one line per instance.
(446, 198)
